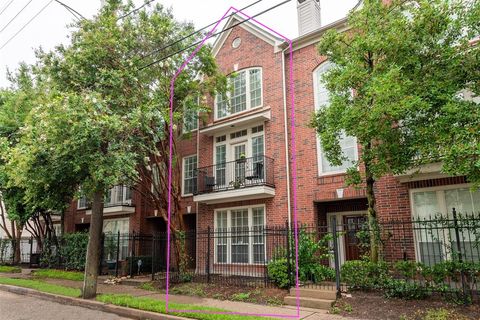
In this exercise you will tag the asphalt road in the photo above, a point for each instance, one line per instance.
(17, 307)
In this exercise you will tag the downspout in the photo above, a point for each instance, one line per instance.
(196, 202)
(285, 120)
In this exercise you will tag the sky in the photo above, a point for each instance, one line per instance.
(50, 27)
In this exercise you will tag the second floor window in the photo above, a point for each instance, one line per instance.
(245, 93)
(348, 144)
(189, 175)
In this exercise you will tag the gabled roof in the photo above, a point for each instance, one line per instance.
(249, 26)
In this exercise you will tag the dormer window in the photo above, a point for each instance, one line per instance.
(245, 93)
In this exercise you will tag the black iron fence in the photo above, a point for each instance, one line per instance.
(417, 257)
(241, 173)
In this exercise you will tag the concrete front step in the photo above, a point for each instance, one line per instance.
(325, 294)
(309, 302)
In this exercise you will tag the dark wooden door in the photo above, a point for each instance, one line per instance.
(352, 225)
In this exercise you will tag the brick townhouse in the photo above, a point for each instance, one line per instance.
(237, 169)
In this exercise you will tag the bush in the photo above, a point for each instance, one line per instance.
(312, 253)
(74, 250)
(364, 275)
(278, 273)
(399, 288)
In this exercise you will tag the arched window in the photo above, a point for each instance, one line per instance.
(246, 93)
(347, 143)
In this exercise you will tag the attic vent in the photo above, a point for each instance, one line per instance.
(236, 43)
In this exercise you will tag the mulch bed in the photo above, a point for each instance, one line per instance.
(364, 305)
(259, 295)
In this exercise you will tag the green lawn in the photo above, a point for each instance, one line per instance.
(58, 274)
(42, 286)
(10, 269)
(153, 305)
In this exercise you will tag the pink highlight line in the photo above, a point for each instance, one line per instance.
(294, 169)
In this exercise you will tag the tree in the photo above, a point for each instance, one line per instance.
(102, 116)
(395, 81)
(15, 103)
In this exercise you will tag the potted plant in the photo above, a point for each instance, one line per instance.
(237, 183)
(242, 158)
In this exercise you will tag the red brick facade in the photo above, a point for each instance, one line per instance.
(316, 195)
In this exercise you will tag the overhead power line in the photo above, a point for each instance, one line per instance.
(74, 12)
(26, 24)
(8, 23)
(136, 9)
(195, 32)
(215, 34)
(6, 7)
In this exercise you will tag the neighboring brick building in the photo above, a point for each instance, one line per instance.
(235, 168)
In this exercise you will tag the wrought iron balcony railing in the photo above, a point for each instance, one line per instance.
(241, 173)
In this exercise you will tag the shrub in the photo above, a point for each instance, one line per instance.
(74, 250)
(408, 269)
(399, 288)
(363, 274)
(312, 252)
(278, 273)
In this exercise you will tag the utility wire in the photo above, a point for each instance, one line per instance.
(74, 12)
(15, 16)
(135, 10)
(26, 24)
(215, 34)
(194, 32)
(6, 7)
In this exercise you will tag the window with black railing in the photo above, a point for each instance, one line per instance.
(237, 174)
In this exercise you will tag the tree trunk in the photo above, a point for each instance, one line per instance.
(17, 254)
(372, 216)
(94, 249)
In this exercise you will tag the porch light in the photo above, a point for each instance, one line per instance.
(340, 193)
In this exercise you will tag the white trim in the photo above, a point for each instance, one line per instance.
(250, 235)
(248, 105)
(340, 224)
(242, 194)
(316, 80)
(183, 174)
(442, 205)
(249, 117)
(249, 27)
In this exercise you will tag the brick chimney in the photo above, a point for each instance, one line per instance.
(308, 16)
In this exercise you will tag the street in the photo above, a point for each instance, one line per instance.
(17, 307)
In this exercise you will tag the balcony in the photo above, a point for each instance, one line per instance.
(242, 179)
(118, 201)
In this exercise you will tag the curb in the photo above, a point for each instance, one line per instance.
(90, 304)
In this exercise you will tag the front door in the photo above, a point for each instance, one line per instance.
(352, 225)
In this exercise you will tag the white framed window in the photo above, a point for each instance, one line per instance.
(348, 144)
(247, 142)
(82, 203)
(118, 195)
(434, 245)
(240, 236)
(111, 227)
(246, 93)
(189, 175)
(190, 120)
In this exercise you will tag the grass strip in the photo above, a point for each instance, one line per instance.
(58, 274)
(10, 269)
(42, 286)
(154, 305)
